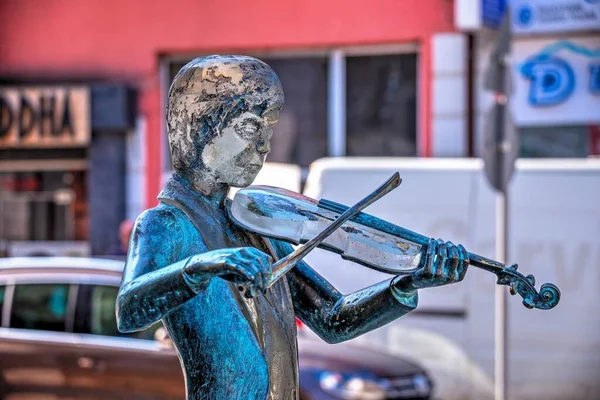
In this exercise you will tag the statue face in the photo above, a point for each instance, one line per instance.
(236, 155)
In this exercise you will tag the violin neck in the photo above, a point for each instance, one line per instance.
(376, 223)
(406, 234)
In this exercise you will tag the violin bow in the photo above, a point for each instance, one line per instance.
(283, 265)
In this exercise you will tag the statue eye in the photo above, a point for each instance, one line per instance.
(249, 128)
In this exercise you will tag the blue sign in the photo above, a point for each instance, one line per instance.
(523, 15)
(546, 16)
(492, 12)
(595, 79)
(556, 82)
(552, 80)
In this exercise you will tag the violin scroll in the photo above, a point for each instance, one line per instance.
(547, 297)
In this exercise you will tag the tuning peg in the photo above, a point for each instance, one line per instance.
(531, 279)
(528, 303)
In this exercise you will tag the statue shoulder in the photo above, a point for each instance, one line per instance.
(164, 220)
(161, 236)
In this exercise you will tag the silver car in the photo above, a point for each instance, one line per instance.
(59, 340)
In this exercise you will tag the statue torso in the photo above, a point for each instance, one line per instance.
(230, 347)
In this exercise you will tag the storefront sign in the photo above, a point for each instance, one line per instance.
(556, 81)
(551, 16)
(44, 117)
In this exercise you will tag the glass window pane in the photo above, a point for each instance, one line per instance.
(43, 205)
(300, 136)
(95, 313)
(42, 307)
(381, 106)
(555, 141)
(102, 312)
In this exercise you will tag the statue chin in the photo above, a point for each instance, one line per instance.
(243, 181)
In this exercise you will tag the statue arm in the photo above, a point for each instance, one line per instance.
(154, 282)
(336, 317)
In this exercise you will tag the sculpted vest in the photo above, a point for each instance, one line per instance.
(270, 317)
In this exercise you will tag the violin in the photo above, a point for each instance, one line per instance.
(359, 237)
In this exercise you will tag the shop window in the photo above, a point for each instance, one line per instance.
(95, 313)
(46, 205)
(41, 307)
(558, 141)
(300, 136)
(381, 105)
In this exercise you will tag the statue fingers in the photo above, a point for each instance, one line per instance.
(240, 273)
(265, 272)
(253, 261)
(428, 268)
(263, 262)
(453, 262)
(441, 260)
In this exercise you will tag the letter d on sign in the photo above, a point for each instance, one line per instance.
(552, 80)
(594, 85)
(6, 117)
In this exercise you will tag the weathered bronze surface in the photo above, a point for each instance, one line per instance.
(186, 258)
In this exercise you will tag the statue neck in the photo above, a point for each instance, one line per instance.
(212, 191)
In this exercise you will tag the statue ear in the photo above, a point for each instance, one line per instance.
(212, 119)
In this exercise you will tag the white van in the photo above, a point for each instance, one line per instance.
(554, 234)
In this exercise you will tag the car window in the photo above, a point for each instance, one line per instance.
(95, 313)
(41, 307)
(2, 291)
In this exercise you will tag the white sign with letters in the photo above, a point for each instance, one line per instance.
(550, 16)
(556, 81)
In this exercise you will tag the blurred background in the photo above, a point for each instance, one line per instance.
(371, 88)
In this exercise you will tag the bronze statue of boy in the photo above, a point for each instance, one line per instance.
(186, 258)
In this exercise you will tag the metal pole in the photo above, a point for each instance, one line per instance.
(501, 325)
(336, 115)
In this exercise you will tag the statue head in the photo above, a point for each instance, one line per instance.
(221, 113)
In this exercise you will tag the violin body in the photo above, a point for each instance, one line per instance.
(375, 243)
(294, 218)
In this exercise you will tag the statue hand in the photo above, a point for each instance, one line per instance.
(445, 263)
(243, 265)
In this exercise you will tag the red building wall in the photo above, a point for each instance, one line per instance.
(124, 39)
